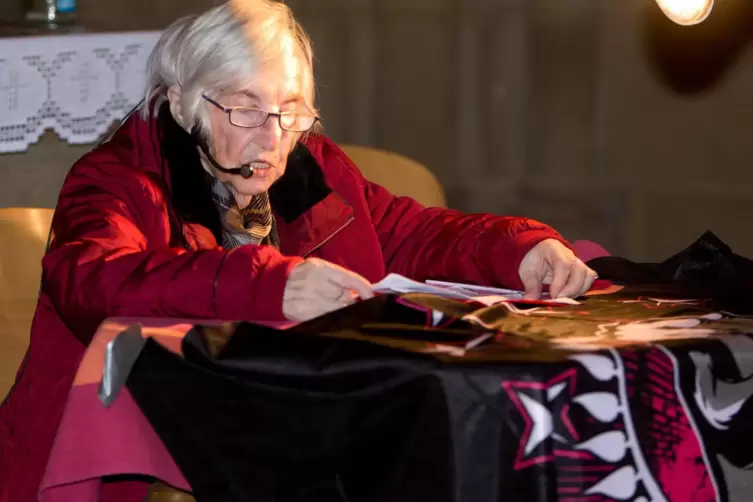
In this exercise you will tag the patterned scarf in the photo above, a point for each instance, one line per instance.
(253, 224)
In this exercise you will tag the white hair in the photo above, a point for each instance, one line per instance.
(224, 47)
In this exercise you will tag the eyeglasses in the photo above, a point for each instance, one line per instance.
(242, 116)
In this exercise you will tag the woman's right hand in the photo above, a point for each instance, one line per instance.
(316, 287)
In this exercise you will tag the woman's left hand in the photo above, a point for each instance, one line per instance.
(550, 262)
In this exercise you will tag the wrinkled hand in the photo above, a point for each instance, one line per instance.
(550, 262)
(316, 287)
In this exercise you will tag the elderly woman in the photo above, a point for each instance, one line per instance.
(220, 200)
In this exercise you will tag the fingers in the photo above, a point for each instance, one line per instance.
(591, 277)
(302, 304)
(561, 275)
(575, 280)
(580, 278)
(304, 310)
(532, 284)
(550, 262)
(348, 280)
(331, 290)
(316, 287)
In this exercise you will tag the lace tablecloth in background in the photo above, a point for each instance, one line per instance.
(76, 85)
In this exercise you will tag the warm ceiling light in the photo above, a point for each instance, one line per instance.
(686, 12)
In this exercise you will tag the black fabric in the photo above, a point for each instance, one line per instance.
(626, 396)
(300, 188)
(299, 435)
(191, 185)
(706, 269)
(707, 265)
(379, 405)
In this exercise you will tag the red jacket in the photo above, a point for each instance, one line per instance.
(136, 235)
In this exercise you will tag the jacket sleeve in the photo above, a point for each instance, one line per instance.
(101, 263)
(435, 243)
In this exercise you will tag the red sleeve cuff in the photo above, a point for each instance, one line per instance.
(250, 284)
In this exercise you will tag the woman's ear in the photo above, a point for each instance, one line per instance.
(173, 96)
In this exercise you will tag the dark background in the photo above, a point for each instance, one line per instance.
(599, 117)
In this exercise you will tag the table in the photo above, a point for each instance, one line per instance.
(633, 408)
(93, 442)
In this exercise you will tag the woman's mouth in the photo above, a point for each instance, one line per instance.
(261, 169)
(260, 165)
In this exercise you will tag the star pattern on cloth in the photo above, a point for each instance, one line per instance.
(544, 407)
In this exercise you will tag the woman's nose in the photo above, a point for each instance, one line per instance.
(270, 133)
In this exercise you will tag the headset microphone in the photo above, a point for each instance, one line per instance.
(245, 171)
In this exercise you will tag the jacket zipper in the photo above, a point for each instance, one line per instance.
(325, 241)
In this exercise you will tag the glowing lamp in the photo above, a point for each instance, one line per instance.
(686, 12)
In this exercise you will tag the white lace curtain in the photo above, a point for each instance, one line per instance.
(75, 85)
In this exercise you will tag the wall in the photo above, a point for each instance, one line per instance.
(547, 108)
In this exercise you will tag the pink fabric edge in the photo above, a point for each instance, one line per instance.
(131, 447)
(588, 250)
(69, 477)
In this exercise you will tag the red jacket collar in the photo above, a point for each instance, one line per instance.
(307, 210)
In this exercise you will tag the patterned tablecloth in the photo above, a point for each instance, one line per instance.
(633, 398)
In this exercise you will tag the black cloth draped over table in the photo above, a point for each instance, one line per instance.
(642, 394)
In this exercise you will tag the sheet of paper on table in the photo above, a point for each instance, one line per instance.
(395, 283)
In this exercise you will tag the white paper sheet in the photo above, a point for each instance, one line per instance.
(395, 283)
